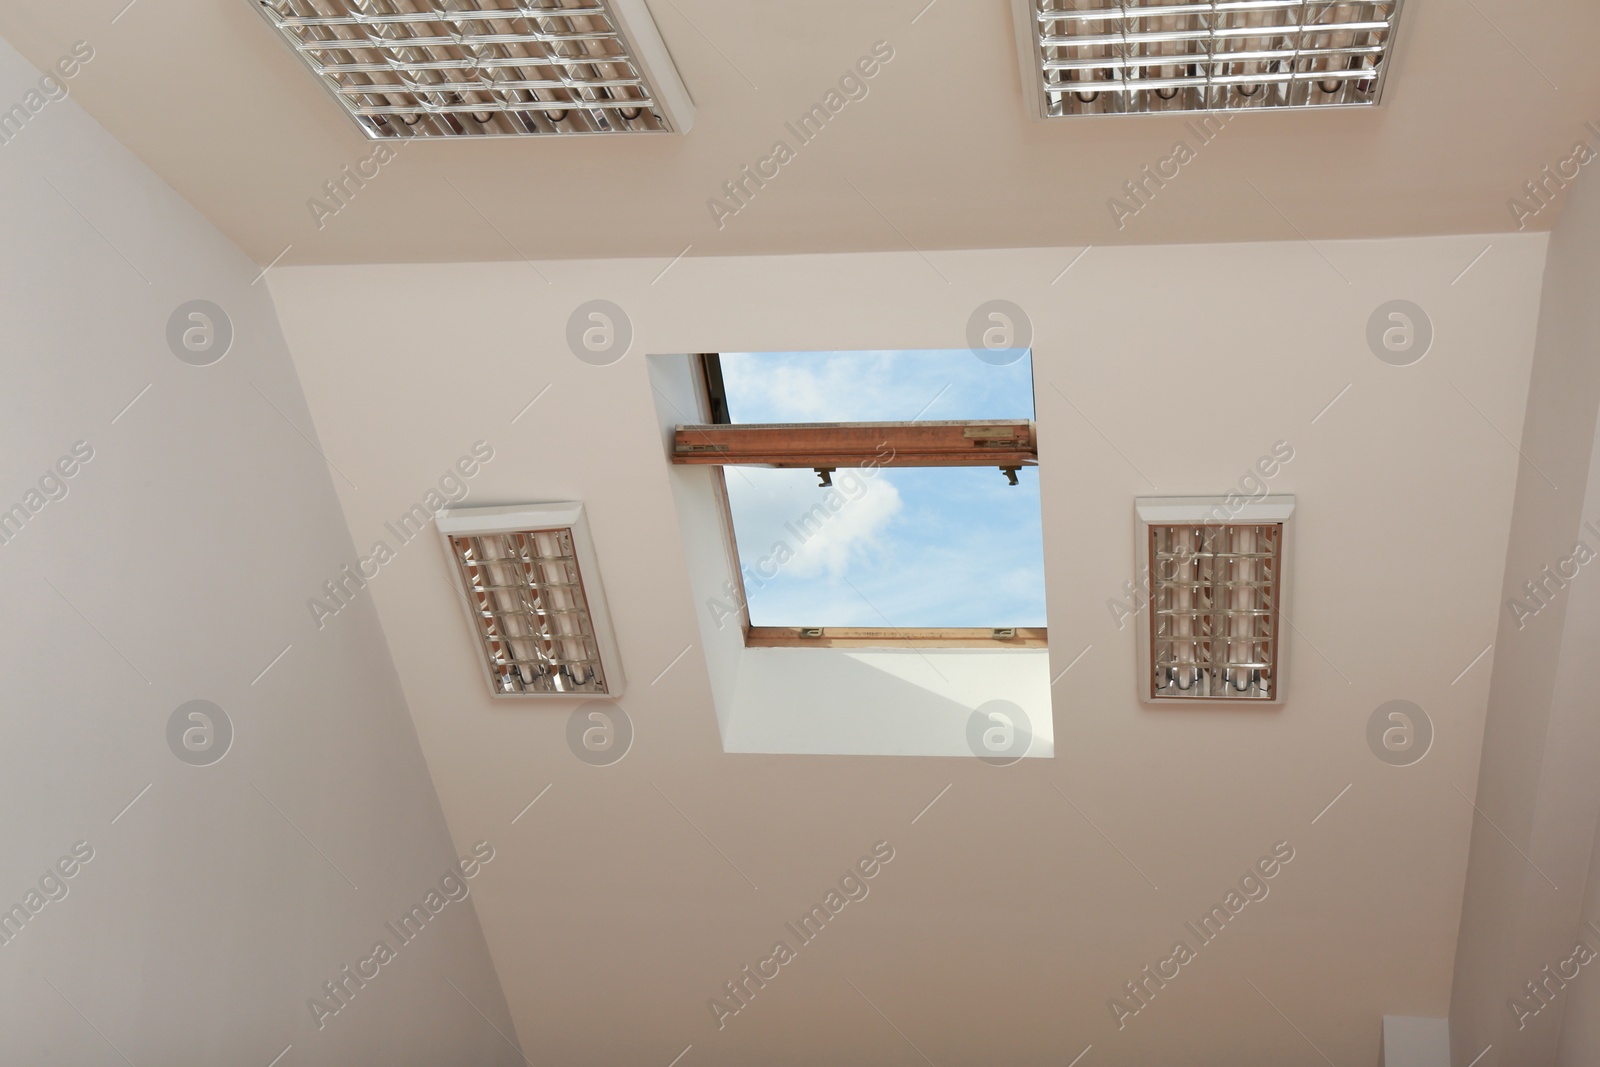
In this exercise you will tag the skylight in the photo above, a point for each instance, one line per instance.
(915, 548)
(888, 547)
(489, 68)
(1108, 57)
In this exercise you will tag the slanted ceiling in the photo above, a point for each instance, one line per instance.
(1026, 897)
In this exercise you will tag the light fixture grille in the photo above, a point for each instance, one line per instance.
(1107, 57)
(455, 68)
(526, 594)
(1214, 597)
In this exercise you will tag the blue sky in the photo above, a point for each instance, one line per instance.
(929, 546)
(874, 386)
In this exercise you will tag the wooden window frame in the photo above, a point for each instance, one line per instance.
(1006, 444)
(894, 637)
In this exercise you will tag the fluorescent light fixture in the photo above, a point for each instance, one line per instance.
(489, 68)
(530, 584)
(1218, 590)
(1118, 57)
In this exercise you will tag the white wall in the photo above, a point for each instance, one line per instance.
(1009, 918)
(1532, 865)
(175, 568)
(1571, 784)
(1537, 790)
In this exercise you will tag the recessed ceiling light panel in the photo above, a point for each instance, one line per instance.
(1217, 587)
(1116, 57)
(530, 583)
(489, 68)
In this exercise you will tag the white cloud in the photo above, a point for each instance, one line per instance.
(856, 529)
(824, 529)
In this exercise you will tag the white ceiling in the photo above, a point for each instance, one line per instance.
(940, 155)
(1015, 907)
(1010, 915)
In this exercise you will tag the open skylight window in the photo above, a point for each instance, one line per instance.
(915, 532)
